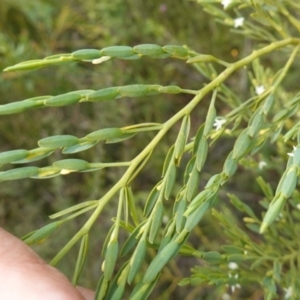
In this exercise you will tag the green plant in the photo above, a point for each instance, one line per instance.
(263, 124)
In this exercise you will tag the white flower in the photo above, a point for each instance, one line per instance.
(219, 123)
(65, 172)
(226, 296)
(239, 22)
(288, 292)
(235, 285)
(298, 206)
(292, 153)
(259, 89)
(100, 60)
(233, 266)
(226, 3)
(262, 164)
(165, 219)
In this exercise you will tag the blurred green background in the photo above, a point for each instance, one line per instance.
(35, 29)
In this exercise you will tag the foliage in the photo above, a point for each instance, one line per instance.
(256, 126)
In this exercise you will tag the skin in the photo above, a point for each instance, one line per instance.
(24, 275)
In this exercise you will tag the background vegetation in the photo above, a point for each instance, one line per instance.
(36, 29)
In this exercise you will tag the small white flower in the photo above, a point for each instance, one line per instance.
(236, 286)
(100, 60)
(65, 172)
(233, 266)
(292, 153)
(239, 22)
(262, 164)
(165, 219)
(234, 279)
(226, 3)
(298, 206)
(219, 123)
(226, 296)
(259, 89)
(288, 292)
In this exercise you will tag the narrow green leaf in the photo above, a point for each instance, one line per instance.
(169, 180)
(212, 257)
(117, 51)
(13, 155)
(82, 254)
(25, 66)
(111, 256)
(104, 94)
(47, 172)
(117, 287)
(132, 240)
(236, 257)
(16, 107)
(192, 184)
(148, 49)
(82, 146)
(211, 115)
(168, 234)
(273, 212)
(255, 123)
(143, 290)
(107, 240)
(171, 89)
(241, 206)
(241, 146)
(131, 205)
(269, 103)
(58, 141)
(182, 138)
(160, 260)
(232, 249)
(214, 181)
(201, 153)
(135, 90)
(34, 155)
(167, 161)
(198, 138)
(104, 134)
(86, 54)
(156, 221)
(142, 127)
(72, 164)
(125, 136)
(74, 208)
(176, 51)
(265, 187)
(102, 288)
(194, 218)
(200, 198)
(289, 182)
(188, 170)
(19, 173)
(137, 259)
(296, 156)
(277, 131)
(178, 211)
(65, 99)
(151, 200)
(201, 58)
(41, 234)
(230, 165)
